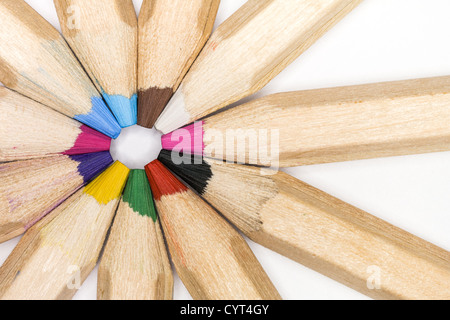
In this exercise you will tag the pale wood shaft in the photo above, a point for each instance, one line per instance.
(212, 259)
(31, 130)
(53, 259)
(135, 265)
(247, 51)
(171, 35)
(103, 34)
(36, 61)
(338, 124)
(329, 235)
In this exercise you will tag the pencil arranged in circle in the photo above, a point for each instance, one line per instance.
(31, 130)
(36, 61)
(31, 189)
(55, 256)
(103, 35)
(135, 265)
(247, 51)
(212, 259)
(320, 231)
(326, 125)
(171, 35)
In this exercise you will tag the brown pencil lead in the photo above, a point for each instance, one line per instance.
(151, 103)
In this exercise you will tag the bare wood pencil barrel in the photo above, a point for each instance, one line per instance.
(103, 35)
(57, 254)
(212, 259)
(135, 264)
(36, 61)
(171, 35)
(247, 51)
(338, 124)
(321, 232)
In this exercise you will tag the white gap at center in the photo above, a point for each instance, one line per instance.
(136, 146)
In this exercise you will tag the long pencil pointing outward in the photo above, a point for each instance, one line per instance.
(171, 35)
(320, 231)
(103, 35)
(327, 125)
(212, 259)
(53, 258)
(135, 265)
(31, 130)
(36, 61)
(247, 51)
(31, 189)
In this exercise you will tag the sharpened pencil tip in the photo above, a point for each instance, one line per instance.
(175, 114)
(196, 172)
(123, 108)
(100, 119)
(110, 184)
(92, 164)
(151, 103)
(187, 140)
(89, 141)
(138, 195)
(162, 181)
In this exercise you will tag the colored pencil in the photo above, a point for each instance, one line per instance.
(247, 51)
(135, 265)
(171, 35)
(31, 189)
(327, 125)
(31, 130)
(212, 259)
(320, 231)
(55, 256)
(105, 41)
(36, 61)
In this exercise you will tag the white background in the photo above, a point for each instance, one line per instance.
(379, 41)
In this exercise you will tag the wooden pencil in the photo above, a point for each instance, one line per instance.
(36, 61)
(247, 51)
(212, 259)
(103, 35)
(171, 35)
(135, 265)
(55, 256)
(320, 231)
(31, 130)
(31, 189)
(327, 125)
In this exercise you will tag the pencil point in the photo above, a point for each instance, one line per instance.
(123, 108)
(89, 141)
(196, 173)
(92, 164)
(110, 184)
(151, 103)
(174, 115)
(187, 140)
(138, 195)
(162, 181)
(100, 119)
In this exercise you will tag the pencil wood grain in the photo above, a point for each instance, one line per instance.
(171, 35)
(247, 51)
(31, 130)
(330, 125)
(55, 256)
(36, 61)
(322, 232)
(31, 189)
(103, 35)
(212, 259)
(135, 264)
